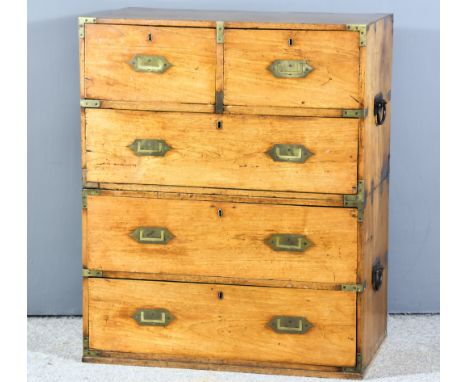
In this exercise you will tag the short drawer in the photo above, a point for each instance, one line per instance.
(225, 151)
(212, 323)
(242, 241)
(291, 68)
(149, 64)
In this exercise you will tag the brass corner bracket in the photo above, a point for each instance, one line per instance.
(95, 103)
(354, 113)
(84, 195)
(357, 368)
(81, 24)
(92, 272)
(357, 288)
(220, 32)
(356, 200)
(86, 351)
(362, 29)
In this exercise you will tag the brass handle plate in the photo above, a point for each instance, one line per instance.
(288, 242)
(290, 68)
(152, 64)
(150, 147)
(289, 153)
(152, 235)
(290, 324)
(153, 317)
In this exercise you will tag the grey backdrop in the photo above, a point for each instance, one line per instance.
(54, 174)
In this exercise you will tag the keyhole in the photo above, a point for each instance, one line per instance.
(150, 37)
(219, 125)
(220, 212)
(220, 295)
(290, 42)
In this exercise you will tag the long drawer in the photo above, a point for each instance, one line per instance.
(220, 239)
(244, 152)
(236, 324)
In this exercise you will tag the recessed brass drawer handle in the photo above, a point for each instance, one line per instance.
(152, 235)
(289, 153)
(150, 147)
(290, 68)
(290, 324)
(152, 64)
(288, 242)
(153, 317)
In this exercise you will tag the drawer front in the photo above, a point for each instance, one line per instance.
(244, 152)
(237, 240)
(220, 322)
(143, 63)
(329, 80)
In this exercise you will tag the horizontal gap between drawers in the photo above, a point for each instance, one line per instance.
(220, 199)
(230, 109)
(130, 187)
(219, 280)
(210, 24)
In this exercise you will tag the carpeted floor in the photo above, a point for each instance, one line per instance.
(409, 354)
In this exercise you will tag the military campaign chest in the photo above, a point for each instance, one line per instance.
(235, 189)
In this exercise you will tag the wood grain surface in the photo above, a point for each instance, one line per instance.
(374, 169)
(221, 194)
(109, 76)
(332, 84)
(230, 329)
(205, 244)
(235, 19)
(233, 156)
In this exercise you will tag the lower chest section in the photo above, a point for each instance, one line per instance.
(215, 282)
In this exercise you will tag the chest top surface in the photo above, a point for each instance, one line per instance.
(207, 17)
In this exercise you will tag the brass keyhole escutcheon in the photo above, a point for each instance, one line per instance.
(220, 212)
(290, 41)
(150, 37)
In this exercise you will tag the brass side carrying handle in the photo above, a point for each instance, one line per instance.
(377, 274)
(290, 68)
(289, 324)
(153, 317)
(152, 64)
(150, 147)
(288, 242)
(289, 153)
(152, 235)
(380, 109)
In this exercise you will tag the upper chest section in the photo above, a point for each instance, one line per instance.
(192, 65)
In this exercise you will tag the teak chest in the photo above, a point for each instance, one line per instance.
(235, 189)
